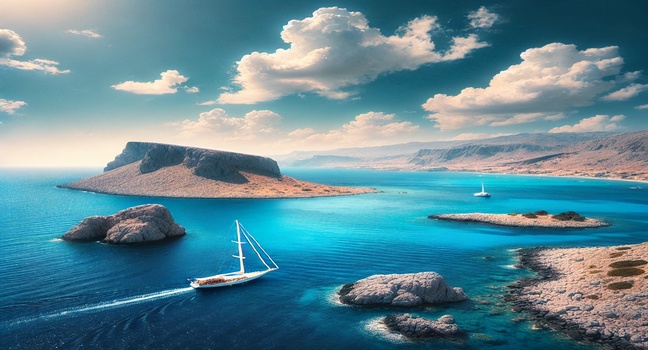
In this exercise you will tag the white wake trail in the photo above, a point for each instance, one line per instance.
(109, 304)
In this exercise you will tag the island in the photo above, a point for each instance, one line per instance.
(161, 170)
(409, 289)
(597, 294)
(419, 328)
(539, 218)
(141, 224)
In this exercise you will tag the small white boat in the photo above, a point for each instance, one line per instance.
(241, 276)
(482, 193)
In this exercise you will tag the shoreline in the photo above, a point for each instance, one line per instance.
(518, 220)
(575, 292)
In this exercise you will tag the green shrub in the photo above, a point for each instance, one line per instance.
(623, 248)
(541, 213)
(620, 285)
(569, 216)
(592, 296)
(626, 271)
(628, 263)
(616, 255)
(530, 215)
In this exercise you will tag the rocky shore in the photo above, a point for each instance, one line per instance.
(591, 294)
(518, 220)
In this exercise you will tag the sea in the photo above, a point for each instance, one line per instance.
(64, 295)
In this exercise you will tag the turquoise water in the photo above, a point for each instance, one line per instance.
(89, 295)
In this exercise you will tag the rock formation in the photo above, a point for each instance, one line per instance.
(141, 224)
(400, 290)
(210, 164)
(160, 170)
(597, 294)
(421, 328)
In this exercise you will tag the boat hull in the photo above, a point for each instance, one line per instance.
(226, 280)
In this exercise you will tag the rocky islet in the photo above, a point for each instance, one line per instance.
(140, 224)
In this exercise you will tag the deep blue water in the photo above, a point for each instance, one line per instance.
(66, 295)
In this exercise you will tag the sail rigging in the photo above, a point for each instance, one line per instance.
(227, 279)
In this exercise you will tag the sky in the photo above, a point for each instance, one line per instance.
(80, 78)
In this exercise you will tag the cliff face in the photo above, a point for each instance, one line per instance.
(210, 164)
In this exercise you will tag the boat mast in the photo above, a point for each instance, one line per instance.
(240, 246)
(482, 187)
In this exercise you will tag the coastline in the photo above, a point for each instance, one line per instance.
(179, 182)
(580, 292)
(518, 220)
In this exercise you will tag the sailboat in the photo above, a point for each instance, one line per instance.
(482, 193)
(241, 276)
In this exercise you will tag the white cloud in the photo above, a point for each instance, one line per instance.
(169, 83)
(207, 103)
(549, 81)
(625, 93)
(89, 33)
(482, 18)
(192, 89)
(367, 129)
(218, 123)
(595, 123)
(642, 106)
(335, 49)
(9, 106)
(11, 44)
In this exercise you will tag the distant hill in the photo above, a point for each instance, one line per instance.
(612, 155)
(161, 170)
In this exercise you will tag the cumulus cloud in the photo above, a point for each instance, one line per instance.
(549, 81)
(625, 93)
(365, 129)
(10, 107)
(642, 106)
(335, 49)
(595, 123)
(482, 18)
(89, 33)
(218, 123)
(12, 45)
(169, 83)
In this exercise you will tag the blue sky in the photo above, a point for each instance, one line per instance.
(80, 78)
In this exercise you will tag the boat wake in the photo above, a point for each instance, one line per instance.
(108, 304)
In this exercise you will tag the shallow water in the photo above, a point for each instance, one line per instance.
(72, 295)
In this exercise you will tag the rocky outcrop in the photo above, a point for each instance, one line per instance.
(400, 290)
(210, 164)
(414, 327)
(597, 294)
(141, 224)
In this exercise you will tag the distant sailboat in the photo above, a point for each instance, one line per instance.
(482, 193)
(241, 276)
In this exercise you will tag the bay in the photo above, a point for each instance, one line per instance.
(74, 295)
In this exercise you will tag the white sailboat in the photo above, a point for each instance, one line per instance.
(241, 276)
(482, 193)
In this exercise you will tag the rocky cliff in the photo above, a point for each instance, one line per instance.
(210, 164)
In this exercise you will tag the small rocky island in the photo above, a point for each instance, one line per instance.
(161, 170)
(410, 289)
(141, 224)
(539, 218)
(596, 294)
(419, 328)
